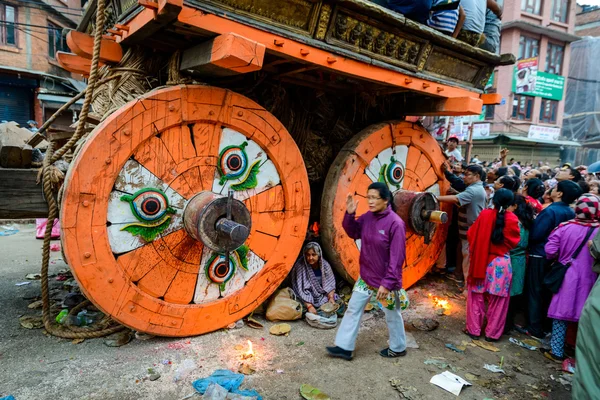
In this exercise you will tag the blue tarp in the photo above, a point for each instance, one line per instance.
(229, 380)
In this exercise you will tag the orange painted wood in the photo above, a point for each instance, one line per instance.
(148, 4)
(289, 48)
(151, 288)
(74, 63)
(491, 98)
(82, 44)
(353, 171)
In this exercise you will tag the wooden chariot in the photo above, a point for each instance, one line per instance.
(187, 206)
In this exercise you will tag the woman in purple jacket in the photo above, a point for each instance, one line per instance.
(563, 242)
(382, 252)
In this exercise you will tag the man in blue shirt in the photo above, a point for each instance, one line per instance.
(417, 10)
(538, 297)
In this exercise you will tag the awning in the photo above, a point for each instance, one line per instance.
(56, 101)
(505, 139)
(541, 30)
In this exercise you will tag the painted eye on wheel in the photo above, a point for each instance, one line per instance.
(219, 271)
(151, 208)
(233, 162)
(148, 204)
(392, 173)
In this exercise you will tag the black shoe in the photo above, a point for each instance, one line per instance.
(387, 353)
(489, 339)
(469, 334)
(339, 352)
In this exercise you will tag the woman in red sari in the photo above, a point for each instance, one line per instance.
(492, 236)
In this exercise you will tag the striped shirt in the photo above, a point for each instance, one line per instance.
(444, 21)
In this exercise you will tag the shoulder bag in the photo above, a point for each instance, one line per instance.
(554, 279)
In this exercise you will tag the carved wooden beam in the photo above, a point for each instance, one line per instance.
(227, 54)
(74, 63)
(444, 106)
(83, 45)
(491, 98)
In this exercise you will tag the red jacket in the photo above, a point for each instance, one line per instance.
(481, 249)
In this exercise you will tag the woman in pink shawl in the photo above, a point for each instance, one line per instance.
(312, 278)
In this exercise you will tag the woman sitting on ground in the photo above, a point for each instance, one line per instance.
(492, 236)
(312, 278)
(577, 284)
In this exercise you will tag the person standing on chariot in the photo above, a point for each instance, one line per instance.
(383, 250)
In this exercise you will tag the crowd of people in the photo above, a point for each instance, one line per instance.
(476, 22)
(524, 240)
(527, 244)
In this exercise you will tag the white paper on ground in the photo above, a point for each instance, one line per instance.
(449, 382)
(411, 342)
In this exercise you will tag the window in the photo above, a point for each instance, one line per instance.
(531, 6)
(548, 111)
(528, 47)
(56, 42)
(560, 10)
(554, 58)
(522, 107)
(8, 31)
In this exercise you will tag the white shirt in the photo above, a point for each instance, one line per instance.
(454, 154)
(475, 15)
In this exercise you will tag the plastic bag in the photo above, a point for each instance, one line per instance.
(40, 228)
(321, 321)
(284, 306)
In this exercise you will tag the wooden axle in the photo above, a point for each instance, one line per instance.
(417, 211)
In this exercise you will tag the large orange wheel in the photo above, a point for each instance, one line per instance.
(407, 157)
(126, 196)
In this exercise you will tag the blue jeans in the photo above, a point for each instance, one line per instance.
(348, 329)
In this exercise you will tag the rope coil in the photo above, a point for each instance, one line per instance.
(49, 175)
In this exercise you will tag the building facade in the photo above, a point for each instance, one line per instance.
(32, 83)
(587, 21)
(529, 120)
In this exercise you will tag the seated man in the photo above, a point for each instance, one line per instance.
(448, 21)
(312, 278)
(417, 10)
(493, 15)
(472, 30)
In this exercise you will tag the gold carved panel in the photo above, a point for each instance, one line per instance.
(452, 67)
(373, 39)
(299, 16)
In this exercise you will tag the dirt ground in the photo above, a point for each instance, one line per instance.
(36, 366)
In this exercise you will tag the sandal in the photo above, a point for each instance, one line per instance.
(469, 334)
(548, 354)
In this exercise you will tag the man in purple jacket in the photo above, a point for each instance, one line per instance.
(383, 249)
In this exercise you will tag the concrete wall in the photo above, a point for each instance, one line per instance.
(588, 23)
(510, 44)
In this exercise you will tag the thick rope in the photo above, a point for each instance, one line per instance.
(51, 158)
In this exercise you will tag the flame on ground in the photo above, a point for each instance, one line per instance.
(250, 352)
(438, 302)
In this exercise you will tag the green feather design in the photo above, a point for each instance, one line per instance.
(148, 233)
(251, 181)
(242, 253)
(382, 173)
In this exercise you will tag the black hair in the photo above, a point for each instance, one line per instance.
(476, 169)
(576, 175)
(535, 188)
(524, 211)
(509, 183)
(570, 190)
(501, 171)
(517, 171)
(503, 198)
(452, 138)
(384, 192)
(544, 177)
(585, 188)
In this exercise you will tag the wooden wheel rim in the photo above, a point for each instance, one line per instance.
(279, 212)
(357, 166)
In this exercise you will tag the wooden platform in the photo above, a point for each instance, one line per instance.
(367, 47)
(21, 196)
